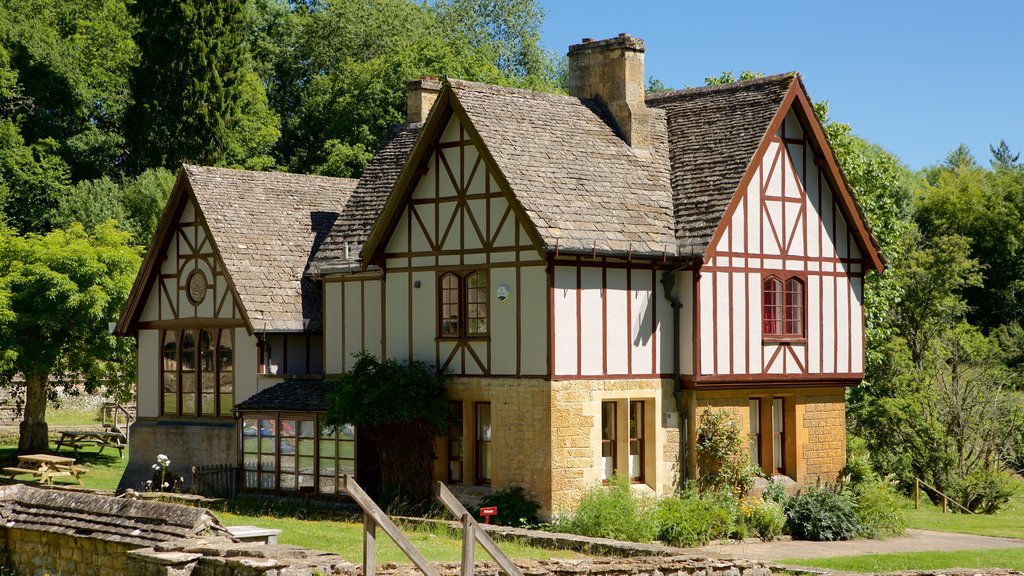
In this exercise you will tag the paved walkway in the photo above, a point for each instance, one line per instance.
(913, 541)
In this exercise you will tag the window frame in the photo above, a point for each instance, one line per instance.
(778, 312)
(483, 473)
(462, 304)
(217, 337)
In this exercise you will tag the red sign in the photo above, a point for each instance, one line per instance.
(487, 512)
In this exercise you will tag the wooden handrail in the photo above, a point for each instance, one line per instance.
(373, 516)
(472, 534)
(945, 499)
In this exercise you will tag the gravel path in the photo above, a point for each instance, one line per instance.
(913, 541)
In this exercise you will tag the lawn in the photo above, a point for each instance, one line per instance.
(1007, 523)
(1008, 558)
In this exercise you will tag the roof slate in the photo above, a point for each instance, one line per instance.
(290, 395)
(366, 202)
(135, 522)
(579, 183)
(713, 133)
(266, 226)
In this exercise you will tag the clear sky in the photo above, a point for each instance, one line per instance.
(918, 78)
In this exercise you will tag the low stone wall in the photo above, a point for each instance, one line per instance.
(35, 552)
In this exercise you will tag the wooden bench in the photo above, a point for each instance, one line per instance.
(14, 471)
(49, 467)
(78, 439)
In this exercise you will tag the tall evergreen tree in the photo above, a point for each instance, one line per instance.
(187, 85)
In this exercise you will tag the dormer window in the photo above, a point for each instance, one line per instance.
(782, 310)
(463, 308)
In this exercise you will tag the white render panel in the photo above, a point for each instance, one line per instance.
(722, 340)
(149, 374)
(773, 354)
(684, 288)
(189, 213)
(372, 307)
(397, 321)
(445, 347)
(352, 306)
(533, 282)
(737, 228)
(417, 238)
(472, 365)
(399, 241)
(591, 325)
(151, 310)
(506, 234)
(739, 323)
(791, 126)
(246, 363)
(707, 332)
(752, 222)
(642, 313)
(565, 321)
(663, 329)
(333, 327)
(475, 176)
(454, 239)
(857, 324)
(424, 316)
(451, 132)
(755, 362)
(843, 324)
(813, 324)
(503, 322)
(618, 322)
(828, 326)
(794, 240)
(828, 244)
(791, 186)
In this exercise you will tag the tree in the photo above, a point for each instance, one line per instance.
(727, 77)
(399, 408)
(188, 83)
(1002, 157)
(58, 294)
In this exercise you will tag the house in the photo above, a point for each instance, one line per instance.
(594, 270)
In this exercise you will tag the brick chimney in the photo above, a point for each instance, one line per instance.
(421, 95)
(612, 71)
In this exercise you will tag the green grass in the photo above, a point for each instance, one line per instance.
(1008, 558)
(104, 470)
(1007, 523)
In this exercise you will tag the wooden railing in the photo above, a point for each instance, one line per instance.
(472, 534)
(112, 415)
(215, 480)
(946, 500)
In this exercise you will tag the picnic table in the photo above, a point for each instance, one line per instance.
(79, 438)
(46, 467)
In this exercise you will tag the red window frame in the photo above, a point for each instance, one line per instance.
(783, 308)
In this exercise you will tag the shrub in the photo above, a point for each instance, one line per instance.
(878, 510)
(514, 507)
(983, 490)
(765, 517)
(822, 513)
(776, 492)
(687, 519)
(611, 511)
(721, 453)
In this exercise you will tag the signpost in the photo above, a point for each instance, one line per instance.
(487, 512)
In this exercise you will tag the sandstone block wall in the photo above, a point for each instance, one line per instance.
(825, 423)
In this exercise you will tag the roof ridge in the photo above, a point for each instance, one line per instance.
(738, 85)
(198, 168)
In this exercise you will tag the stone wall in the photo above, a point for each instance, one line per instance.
(825, 423)
(35, 553)
(187, 444)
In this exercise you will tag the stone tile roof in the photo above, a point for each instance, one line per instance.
(266, 226)
(713, 133)
(579, 183)
(290, 395)
(366, 202)
(135, 522)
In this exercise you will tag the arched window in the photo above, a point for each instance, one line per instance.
(782, 307)
(450, 304)
(771, 311)
(197, 373)
(476, 304)
(463, 308)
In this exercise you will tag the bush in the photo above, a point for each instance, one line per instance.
(983, 490)
(611, 512)
(765, 517)
(514, 507)
(878, 510)
(690, 520)
(822, 513)
(776, 492)
(721, 454)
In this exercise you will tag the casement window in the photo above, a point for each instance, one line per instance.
(778, 436)
(768, 434)
(456, 436)
(463, 307)
(197, 375)
(782, 310)
(754, 420)
(607, 440)
(287, 452)
(483, 443)
(623, 439)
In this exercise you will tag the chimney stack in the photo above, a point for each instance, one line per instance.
(612, 71)
(421, 95)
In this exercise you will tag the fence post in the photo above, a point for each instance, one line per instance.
(468, 545)
(369, 545)
(945, 503)
(917, 494)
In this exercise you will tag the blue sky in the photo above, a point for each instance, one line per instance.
(918, 78)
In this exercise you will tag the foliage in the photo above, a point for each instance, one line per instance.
(515, 508)
(188, 83)
(400, 408)
(58, 293)
(822, 513)
(879, 512)
(688, 519)
(765, 517)
(721, 458)
(727, 77)
(611, 511)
